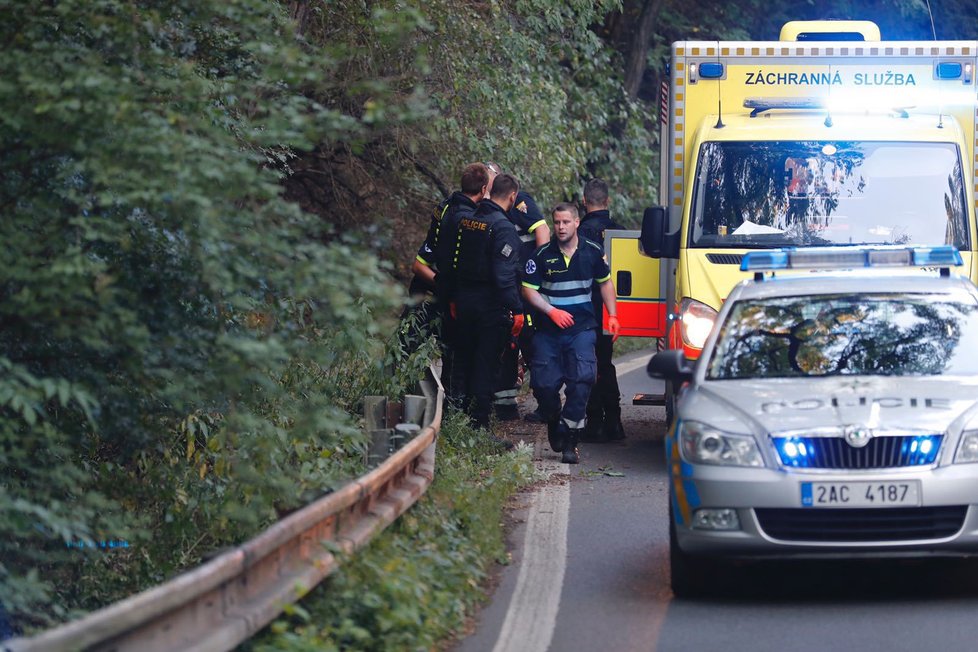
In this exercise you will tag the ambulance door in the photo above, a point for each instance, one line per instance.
(641, 297)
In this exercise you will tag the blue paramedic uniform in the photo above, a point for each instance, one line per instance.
(565, 356)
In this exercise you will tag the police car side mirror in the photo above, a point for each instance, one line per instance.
(671, 365)
(656, 243)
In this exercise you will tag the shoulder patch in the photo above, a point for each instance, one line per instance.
(506, 251)
(531, 266)
(521, 207)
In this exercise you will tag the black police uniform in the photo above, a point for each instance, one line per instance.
(527, 217)
(603, 408)
(428, 305)
(484, 281)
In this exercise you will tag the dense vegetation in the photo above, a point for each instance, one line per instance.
(203, 204)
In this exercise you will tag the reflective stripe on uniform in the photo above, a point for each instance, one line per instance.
(536, 225)
(568, 301)
(566, 285)
(574, 425)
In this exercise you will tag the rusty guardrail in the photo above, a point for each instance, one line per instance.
(228, 599)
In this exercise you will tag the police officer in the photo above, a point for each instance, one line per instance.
(484, 277)
(462, 203)
(558, 282)
(603, 408)
(532, 229)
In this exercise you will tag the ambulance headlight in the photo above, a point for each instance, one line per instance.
(705, 445)
(695, 322)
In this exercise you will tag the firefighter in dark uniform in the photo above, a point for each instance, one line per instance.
(483, 283)
(603, 408)
(558, 282)
(531, 227)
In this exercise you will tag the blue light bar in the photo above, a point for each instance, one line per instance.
(949, 70)
(935, 256)
(714, 70)
(850, 257)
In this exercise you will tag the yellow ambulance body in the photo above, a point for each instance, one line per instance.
(802, 142)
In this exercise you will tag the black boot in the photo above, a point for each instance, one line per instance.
(570, 446)
(556, 434)
(612, 428)
(593, 428)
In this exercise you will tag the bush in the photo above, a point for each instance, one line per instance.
(172, 327)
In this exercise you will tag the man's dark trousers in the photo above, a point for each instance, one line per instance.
(481, 334)
(606, 395)
(563, 359)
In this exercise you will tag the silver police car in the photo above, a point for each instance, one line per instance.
(830, 414)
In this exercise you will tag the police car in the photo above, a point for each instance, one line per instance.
(830, 414)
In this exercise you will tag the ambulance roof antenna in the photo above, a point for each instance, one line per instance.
(719, 124)
(933, 30)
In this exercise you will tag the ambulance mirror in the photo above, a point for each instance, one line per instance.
(656, 243)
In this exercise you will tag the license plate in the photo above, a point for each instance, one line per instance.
(861, 494)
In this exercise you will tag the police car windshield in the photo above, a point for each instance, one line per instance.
(841, 335)
(807, 193)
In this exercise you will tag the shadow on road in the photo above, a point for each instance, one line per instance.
(850, 580)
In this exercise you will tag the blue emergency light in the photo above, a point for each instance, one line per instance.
(712, 70)
(850, 257)
(949, 70)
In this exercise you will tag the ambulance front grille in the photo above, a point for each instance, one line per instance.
(725, 259)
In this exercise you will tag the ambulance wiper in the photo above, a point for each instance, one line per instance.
(762, 104)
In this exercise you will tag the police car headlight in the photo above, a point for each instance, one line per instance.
(967, 448)
(705, 445)
(696, 321)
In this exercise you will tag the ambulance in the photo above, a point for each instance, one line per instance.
(827, 137)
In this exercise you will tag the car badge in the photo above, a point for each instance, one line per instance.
(858, 437)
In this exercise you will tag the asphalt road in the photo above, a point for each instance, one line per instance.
(590, 572)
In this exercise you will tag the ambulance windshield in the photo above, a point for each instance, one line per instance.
(789, 193)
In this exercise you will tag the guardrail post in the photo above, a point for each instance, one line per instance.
(414, 407)
(375, 413)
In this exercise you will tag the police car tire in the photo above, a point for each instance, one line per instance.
(689, 576)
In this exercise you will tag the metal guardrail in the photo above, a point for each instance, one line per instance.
(227, 600)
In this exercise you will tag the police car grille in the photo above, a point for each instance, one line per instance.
(880, 453)
(857, 525)
(725, 259)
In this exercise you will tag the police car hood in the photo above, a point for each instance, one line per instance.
(935, 404)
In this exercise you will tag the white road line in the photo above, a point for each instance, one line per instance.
(625, 367)
(532, 614)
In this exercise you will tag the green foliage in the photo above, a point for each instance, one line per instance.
(415, 584)
(171, 324)
(533, 88)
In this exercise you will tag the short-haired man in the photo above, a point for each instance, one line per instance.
(557, 282)
(474, 185)
(483, 282)
(603, 408)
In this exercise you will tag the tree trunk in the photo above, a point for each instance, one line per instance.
(635, 62)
